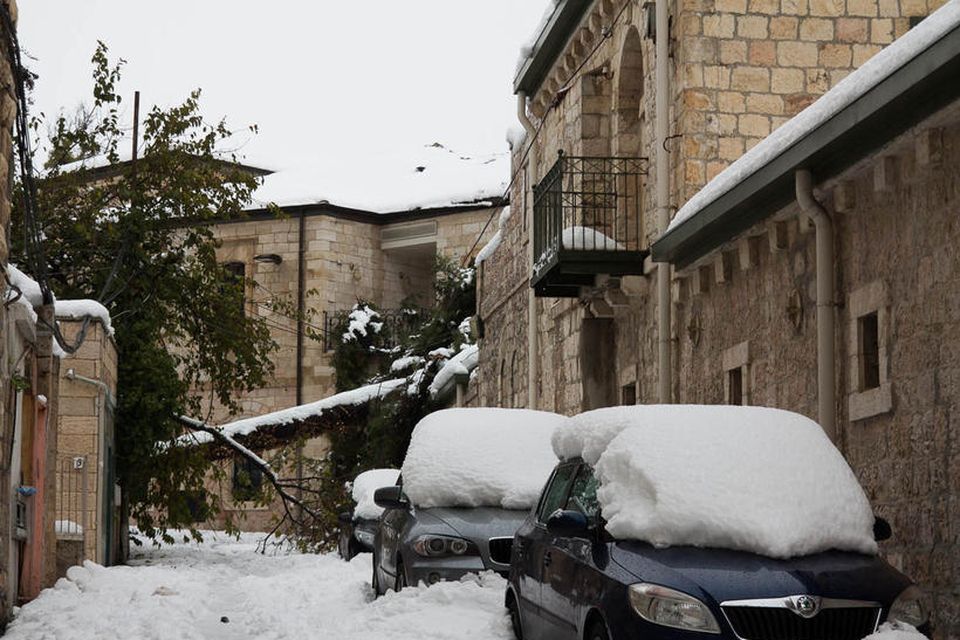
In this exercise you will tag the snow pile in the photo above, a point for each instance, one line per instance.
(587, 239)
(747, 478)
(362, 321)
(361, 395)
(488, 249)
(848, 90)
(462, 363)
(896, 631)
(426, 177)
(80, 309)
(31, 296)
(222, 588)
(364, 486)
(526, 51)
(480, 457)
(406, 362)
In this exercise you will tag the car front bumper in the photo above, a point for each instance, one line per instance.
(432, 570)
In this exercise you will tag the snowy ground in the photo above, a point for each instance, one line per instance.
(182, 593)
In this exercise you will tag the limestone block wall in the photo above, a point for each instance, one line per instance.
(897, 231)
(8, 110)
(85, 430)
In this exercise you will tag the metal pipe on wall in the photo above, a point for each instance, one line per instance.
(532, 332)
(664, 356)
(826, 307)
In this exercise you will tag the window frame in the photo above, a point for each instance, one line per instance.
(567, 464)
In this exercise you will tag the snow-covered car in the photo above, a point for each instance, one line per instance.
(674, 522)
(359, 526)
(469, 478)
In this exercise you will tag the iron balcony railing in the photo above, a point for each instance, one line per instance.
(587, 204)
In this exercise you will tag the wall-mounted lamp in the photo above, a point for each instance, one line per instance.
(270, 258)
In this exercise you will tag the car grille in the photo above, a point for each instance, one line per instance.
(764, 623)
(500, 550)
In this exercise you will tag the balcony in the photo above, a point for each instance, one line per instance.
(588, 221)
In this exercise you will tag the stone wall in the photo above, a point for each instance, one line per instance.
(8, 110)
(85, 431)
(740, 69)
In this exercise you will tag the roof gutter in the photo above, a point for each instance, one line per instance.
(918, 89)
(549, 45)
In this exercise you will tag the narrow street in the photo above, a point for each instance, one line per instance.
(224, 589)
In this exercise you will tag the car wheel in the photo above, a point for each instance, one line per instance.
(598, 632)
(401, 580)
(514, 610)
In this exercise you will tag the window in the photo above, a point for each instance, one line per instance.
(869, 386)
(556, 491)
(628, 394)
(736, 372)
(735, 386)
(868, 330)
(235, 276)
(583, 493)
(247, 480)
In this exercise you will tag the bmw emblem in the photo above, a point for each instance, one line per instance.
(806, 606)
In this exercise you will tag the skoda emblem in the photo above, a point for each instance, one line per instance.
(806, 606)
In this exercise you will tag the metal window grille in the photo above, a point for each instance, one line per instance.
(72, 498)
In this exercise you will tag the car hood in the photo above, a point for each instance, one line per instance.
(721, 575)
(479, 522)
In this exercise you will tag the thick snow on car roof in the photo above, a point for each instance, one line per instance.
(480, 458)
(365, 485)
(747, 478)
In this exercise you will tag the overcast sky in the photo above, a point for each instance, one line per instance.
(330, 84)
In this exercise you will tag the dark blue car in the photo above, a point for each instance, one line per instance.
(570, 579)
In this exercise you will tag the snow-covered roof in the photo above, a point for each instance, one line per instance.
(32, 297)
(746, 478)
(480, 457)
(365, 485)
(851, 88)
(430, 177)
(247, 426)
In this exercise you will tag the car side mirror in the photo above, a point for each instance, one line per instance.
(346, 517)
(389, 498)
(568, 524)
(881, 530)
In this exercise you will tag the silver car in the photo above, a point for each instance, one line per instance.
(429, 545)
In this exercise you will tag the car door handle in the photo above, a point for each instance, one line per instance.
(547, 559)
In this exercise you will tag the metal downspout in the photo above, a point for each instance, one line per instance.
(532, 333)
(826, 357)
(301, 327)
(663, 198)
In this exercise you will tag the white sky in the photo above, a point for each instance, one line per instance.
(332, 85)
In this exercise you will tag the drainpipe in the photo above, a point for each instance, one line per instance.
(102, 491)
(663, 197)
(532, 334)
(826, 358)
(301, 327)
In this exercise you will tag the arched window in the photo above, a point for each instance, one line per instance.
(628, 140)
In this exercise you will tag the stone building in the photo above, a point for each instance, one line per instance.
(569, 302)
(326, 258)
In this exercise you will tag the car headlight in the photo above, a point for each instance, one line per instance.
(365, 537)
(439, 546)
(671, 608)
(910, 607)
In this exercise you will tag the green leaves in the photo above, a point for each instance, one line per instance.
(138, 238)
